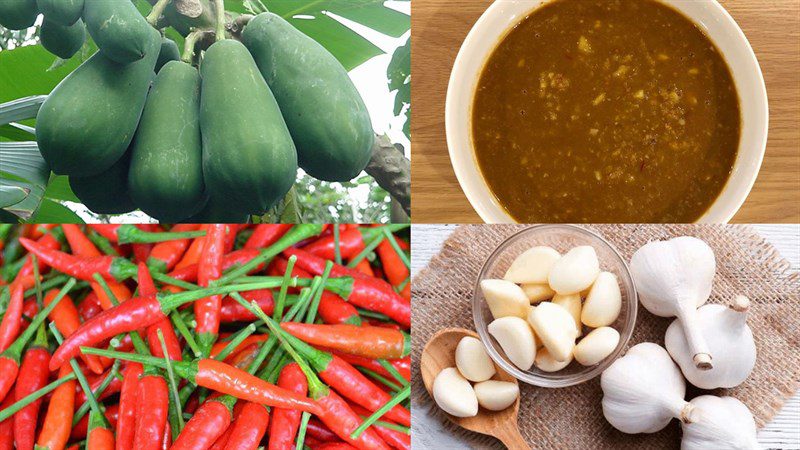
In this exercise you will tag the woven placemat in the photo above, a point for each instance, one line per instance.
(572, 417)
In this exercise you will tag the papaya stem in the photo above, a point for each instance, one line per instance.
(157, 11)
(219, 5)
(189, 45)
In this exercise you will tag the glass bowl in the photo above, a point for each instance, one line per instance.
(562, 238)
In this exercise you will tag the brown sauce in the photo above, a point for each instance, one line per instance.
(606, 111)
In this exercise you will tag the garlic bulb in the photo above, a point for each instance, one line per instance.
(673, 278)
(723, 422)
(643, 391)
(729, 339)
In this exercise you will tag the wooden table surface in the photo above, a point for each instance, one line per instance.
(440, 26)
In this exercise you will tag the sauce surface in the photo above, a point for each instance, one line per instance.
(606, 111)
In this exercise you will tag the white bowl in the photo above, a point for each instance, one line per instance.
(709, 15)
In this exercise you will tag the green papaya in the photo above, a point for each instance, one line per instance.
(326, 115)
(62, 41)
(89, 119)
(216, 211)
(166, 173)
(106, 192)
(118, 29)
(62, 12)
(18, 14)
(249, 159)
(169, 52)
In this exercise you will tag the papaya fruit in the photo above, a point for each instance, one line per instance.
(166, 172)
(62, 41)
(88, 121)
(216, 211)
(118, 29)
(62, 12)
(249, 159)
(106, 192)
(18, 14)
(325, 114)
(169, 52)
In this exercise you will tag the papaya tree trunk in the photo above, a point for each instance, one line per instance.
(392, 171)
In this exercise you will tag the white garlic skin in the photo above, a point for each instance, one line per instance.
(604, 302)
(454, 394)
(723, 422)
(575, 271)
(516, 339)
(556, 328)
(546, 363)
(505, 298)
(643, 390)
(472, 360)
(538, 292)
(496, 395)
(596, 346)
(572, 303)
(532, 266)
(729, 339)
(673, 278)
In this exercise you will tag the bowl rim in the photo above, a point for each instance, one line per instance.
(540, 380)
(743, 174)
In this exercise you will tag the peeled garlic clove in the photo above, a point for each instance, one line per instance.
(496, 395)
(472, 360)
(596, 346)
(537, 292)
(545, 362)
(722, 422)
(454, 394)
(603, 303)
(574, 271)
(572, 303)
(505, 298)
(556, 328)
(532, 266)
(516, 339)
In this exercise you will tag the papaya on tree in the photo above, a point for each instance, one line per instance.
(62, 12)
(325, 113)
(215, 211)
(18, 14)
(249, 159)
(106, 192)
(166, 171)
(118, 29)
(88, 121)
(62, 41)
(169, 52)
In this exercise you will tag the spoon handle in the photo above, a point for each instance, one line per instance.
(510, 436)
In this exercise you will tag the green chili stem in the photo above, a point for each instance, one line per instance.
(238, 338)
(301, 432)
(177, 320)
(369, 248)
(337, 253)
(372, 374)
(402, 395)
(102, 243)
(397, 248)
(16, 348)
(166, 279)
(279, 304)
(393, 371)
(176, 415)
(37, 282)
(84, 408)
(374, 315)
(136, 339)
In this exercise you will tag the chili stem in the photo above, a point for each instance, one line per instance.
(238, 338)
(183, 330)
(391, 426)
(337, 253)
(176, 415)
(84, 408)
(372, 374)
(166, 279)
(33, 396)
(301, 432)
(37, 282)
(22, 340)
(403, 285)
(369, 248)
(278, 313)
(138, 342)
(393, 371)
(396, 246)
(102, 243)
(374, 315)
(402, 395)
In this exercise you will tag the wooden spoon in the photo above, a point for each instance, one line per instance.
(439, 354)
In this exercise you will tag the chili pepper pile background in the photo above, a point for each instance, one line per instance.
(219, 336)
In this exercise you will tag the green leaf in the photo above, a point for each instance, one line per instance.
(32, 61)
(52, 212)
(11, 195)
(59, 189)
(24, 168)
(399, 73)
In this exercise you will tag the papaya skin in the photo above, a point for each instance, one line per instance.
(18, 14)
(166, 171)
(215, 211)
(62, 12)
(249, 159)
(88, 121)
(325, 113)
(62, 41)
(116, 26)
(169, 52)
(107, 192)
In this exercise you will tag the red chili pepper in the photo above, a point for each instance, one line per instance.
(370, 293)
(397, 439)
(286, 422)
(109, 267)
(48, 242)
(152, 406)
(89, 306)
(65, 316)
(94, 382)
(99, 437)
(128, 398)
(237, 258)
(266, 235)
(9, 327)
(365, 267)
(165, 255)
(192, 255)
(351, 241)
(249, 340)
(230, 237)
(81, 428)
(7, 426)
(402, 365)
(243, 358)
(348, 381)
(167, 440)
(393, 266)
(205, 427)
(342, 420)
(131, 234)
(58, 420)
(320, 432)
(367, 341)
(249, 427)
(209, 268)
(33, 375)
(120, 291)
(148, 288)
(333, 446)
(233, 311)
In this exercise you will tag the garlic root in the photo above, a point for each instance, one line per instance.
(722, 422)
